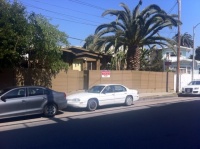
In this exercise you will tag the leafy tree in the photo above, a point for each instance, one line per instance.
(186, 40)
(134, 30)
(22, 34)
(89, 42)
(13, 33)
(45, 44)
(197, 53)
(118, 61)
(151, 59)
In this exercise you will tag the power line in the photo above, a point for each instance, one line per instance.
(75, 38)
(71, 9)
(170, 12)
(173, 7)
(58, 13)
(87, 4)
(69, 20)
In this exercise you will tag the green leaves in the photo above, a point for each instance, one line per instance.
(197, 53)
(13, 31)
(186, 40)
(135, 29)
(32, 34)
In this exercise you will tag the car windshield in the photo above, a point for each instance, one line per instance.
(96, 89)
(194, 83)
(2, 91)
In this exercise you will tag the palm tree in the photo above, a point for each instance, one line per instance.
(186, 40)
(89, 42)
(134, 30)
(118, 61)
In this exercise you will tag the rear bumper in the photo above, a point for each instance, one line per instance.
(62, 105)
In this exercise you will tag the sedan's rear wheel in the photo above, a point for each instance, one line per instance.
(128, 101)
(50, 110)
(92, 105)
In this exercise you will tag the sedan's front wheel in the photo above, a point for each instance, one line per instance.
(128, 101)
(92, 105)
(50, 110)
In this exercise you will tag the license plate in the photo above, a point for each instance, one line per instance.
(187, 90)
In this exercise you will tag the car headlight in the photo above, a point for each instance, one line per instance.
(76, 99)
(196, 88)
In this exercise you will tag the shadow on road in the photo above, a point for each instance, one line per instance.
(168, 126)
(21, 118)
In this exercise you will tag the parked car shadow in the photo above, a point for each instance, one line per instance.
(183, 95)
(72, 109)
(21, 118)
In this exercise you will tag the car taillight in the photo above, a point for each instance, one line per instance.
(65, 95)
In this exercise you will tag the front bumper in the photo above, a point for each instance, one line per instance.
(77, 104)
(191, 93)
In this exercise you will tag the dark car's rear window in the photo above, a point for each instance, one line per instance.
(2, 91)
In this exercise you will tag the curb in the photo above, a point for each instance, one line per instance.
(157, 97)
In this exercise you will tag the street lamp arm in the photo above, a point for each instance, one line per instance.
(196, 25)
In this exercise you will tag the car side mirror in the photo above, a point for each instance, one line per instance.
(3, 99)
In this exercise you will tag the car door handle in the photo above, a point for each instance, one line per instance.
(44, 98)
(23, 101)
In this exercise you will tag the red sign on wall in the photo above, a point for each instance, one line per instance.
(105, 74)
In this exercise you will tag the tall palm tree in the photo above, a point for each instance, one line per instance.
(89, 42)
(134, 30)
(186, 40)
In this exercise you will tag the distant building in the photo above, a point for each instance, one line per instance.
(170, 60)
(81, 59)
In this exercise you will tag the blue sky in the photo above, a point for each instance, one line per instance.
(79, 18)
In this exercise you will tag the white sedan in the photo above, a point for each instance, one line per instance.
(103, 94)
(193, 88)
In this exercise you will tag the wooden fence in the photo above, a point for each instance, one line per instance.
(73, 80)
(144, 81)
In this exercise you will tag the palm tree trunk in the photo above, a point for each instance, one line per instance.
(133, 58)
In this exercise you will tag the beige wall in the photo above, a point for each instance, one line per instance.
(68, 82)
(144, 81)
(74, 80)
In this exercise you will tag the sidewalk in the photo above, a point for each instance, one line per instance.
(145, 96)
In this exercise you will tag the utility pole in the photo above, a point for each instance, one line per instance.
(178, 49)
(193, 57)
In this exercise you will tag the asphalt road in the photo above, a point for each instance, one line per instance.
(172, 123)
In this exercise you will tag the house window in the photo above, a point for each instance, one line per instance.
(172, 54)
(188, 70)
(182, 70)
(91, 65)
